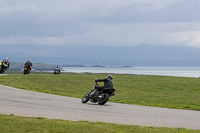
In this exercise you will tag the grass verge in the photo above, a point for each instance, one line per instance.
(158, 91)
(19, 124)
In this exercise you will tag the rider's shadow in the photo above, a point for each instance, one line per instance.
(97, 104)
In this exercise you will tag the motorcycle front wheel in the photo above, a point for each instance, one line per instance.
(26, 72)
(103, 98)
(85, 98)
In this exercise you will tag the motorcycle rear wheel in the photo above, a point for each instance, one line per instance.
(104, 99)
(85, 98)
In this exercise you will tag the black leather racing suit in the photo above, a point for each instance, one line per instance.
(107, 84)
(6, 62)
(28, 64)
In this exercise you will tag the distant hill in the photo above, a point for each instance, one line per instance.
(18, 66)
(37, 66)
(72, 65)
(140, 55)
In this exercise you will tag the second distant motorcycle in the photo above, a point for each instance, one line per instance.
(26, 70)
(27, 67)
(57, 70)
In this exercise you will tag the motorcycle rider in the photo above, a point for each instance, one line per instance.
(107, 83)
(57, 70)
(29, 64)
(5, 64)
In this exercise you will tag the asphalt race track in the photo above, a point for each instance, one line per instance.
(28, 103)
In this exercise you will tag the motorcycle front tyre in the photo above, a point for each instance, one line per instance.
(85, 98)
(102, 101)
(25, 72)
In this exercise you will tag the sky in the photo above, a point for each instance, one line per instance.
(65, 23)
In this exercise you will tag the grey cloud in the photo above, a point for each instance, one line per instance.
(100, 22)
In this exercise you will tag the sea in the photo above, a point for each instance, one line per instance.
(193, 72)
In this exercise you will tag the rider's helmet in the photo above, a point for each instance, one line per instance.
(110, 77)
(6, 58)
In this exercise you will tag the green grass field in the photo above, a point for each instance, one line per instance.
(18, 124)
(160, 91)
(157, 91)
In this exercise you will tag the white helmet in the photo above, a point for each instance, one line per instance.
(110, 77)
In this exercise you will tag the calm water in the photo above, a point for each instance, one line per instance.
(165, 71)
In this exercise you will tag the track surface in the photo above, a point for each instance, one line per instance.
(28, 103)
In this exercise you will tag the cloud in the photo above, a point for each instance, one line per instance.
(100, 22)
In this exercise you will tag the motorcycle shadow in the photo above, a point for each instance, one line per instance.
(97, 104)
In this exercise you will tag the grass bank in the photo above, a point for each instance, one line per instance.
(18, 124)
(158, 91)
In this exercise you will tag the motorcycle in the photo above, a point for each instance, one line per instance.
(3, 68)
(100, 97)
(56, 71)
(26, 70)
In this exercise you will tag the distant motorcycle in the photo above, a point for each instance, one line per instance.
(3, 68)
(56, 71)
(26, 70)
(100, 97)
